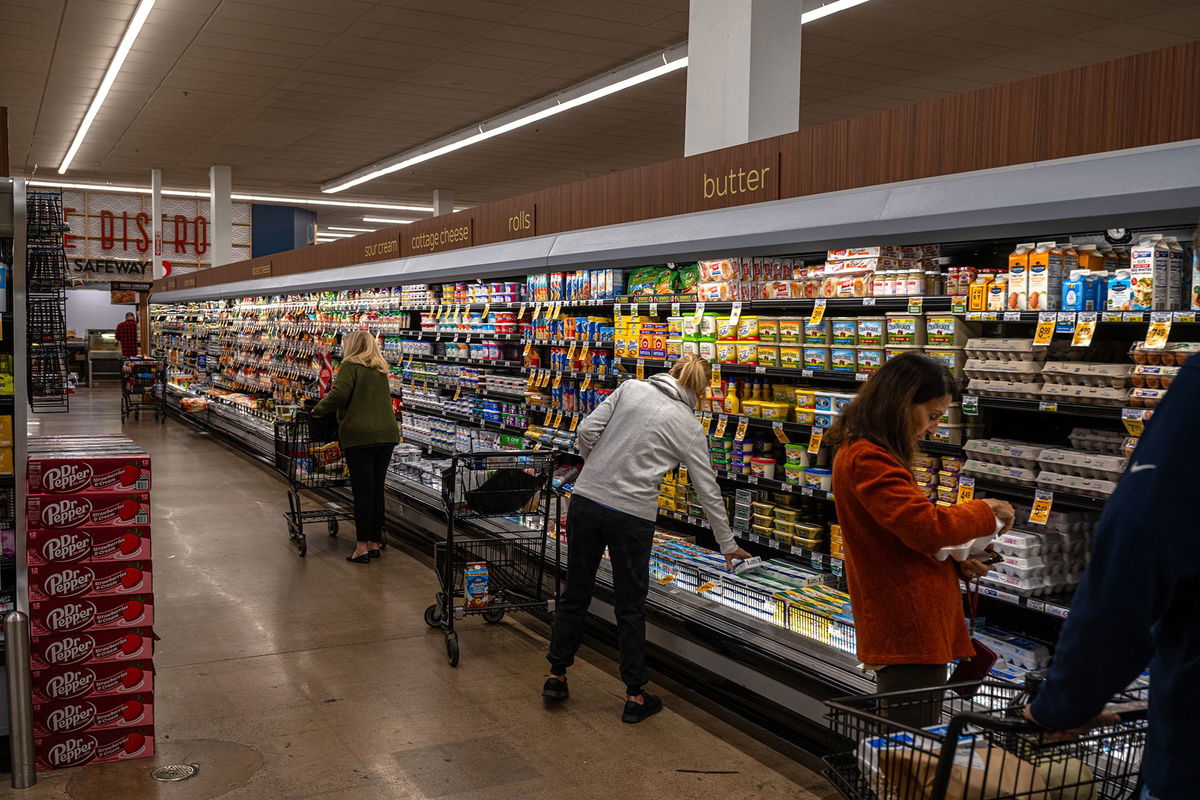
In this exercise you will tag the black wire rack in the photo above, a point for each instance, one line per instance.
(46, 303)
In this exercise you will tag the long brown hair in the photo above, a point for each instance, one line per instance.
(882, 410)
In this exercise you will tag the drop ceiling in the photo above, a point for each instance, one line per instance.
(292, 93)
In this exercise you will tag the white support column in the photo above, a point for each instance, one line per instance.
(443, 202)
(220, 232)
(743, 80)
(156, 225)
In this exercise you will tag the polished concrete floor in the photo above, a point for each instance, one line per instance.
(284, 677)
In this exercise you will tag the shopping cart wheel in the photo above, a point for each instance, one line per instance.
(493, 615)
(333, 527)
(302, 547)
(452, 649)
(433, 616)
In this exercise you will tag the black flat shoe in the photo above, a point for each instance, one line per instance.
(636, 712)
(556, 689)
(373, 553)
(363, 559)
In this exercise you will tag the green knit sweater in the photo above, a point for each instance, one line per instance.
(363, 402)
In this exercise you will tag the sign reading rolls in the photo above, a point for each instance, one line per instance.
(440, 233)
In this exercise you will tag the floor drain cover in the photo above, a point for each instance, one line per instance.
(175, 772)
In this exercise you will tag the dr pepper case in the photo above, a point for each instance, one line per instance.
(94, 747)
(87, 510)
(61, 581)
(128, 644)
(91, 680)
(93, 713)
(51, 617)
(87, 473)
(88, 544)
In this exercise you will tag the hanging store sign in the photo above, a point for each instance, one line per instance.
(440, 233)
(105, 269)
(379, 247)
(130, 286)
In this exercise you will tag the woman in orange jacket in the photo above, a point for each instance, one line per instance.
(908, 609)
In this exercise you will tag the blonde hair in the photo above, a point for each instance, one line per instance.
(360, 347)
(692, 372)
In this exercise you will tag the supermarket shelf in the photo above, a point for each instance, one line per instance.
(581, 344)
(457, 360)
(773, 485)
(747, 369)
(1057, 606)
(1110, 317)
(1026, 493)
(567, 373)
(822, 562)
(833, 305)
(1053, 407)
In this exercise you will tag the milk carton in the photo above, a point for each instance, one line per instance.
(1150, 273)
(1073, 293)
(1120, 292)
(1018, 277)
(1044, 287)
(475, 585)
(1179, 276)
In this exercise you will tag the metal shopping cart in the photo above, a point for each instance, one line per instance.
(980, 748)
(143, 388)
(309, 462)
(491, 575)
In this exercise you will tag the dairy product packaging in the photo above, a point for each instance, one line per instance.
(1150, 264)
(476, 585)
(1018, 278)
(1046, 269)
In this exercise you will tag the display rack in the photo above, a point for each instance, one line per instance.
(46, 303)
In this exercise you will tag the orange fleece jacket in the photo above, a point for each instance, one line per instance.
(907, 605)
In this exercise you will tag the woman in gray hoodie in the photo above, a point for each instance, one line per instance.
(643, 430)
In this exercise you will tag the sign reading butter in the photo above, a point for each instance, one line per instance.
(379, 249)
(451, 235)
(260, 270)
(717, 185)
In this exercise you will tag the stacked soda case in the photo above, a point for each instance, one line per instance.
(91, 599)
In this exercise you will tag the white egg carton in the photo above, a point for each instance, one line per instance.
(1090, 395)
(998, 472)
(1083, 373)
(1004, 451)
(1012, 389)
(1023, 567)
(1085, 465)
(1005, 349)
(1092, 487)
(1026, 545)
(1030, 586)
(1002, 370)
(1092, 440)
(1075, 524)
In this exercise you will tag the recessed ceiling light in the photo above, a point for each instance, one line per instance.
(344, 228)
(386, 221)
(108, 187)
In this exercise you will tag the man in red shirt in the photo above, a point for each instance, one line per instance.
(127, 335)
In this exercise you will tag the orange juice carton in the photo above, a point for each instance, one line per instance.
(1045, 277)
(1090, 257)
(1018, 277)
(977, 293)
(1150, 271)
(997, 296)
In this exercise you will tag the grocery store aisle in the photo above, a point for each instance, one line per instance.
(285, 677)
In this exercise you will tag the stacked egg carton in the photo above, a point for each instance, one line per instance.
(1000, 367)
(1095, 440)
(1083, 382)
(1002, 460)
(1092, 474)
(1049, 560)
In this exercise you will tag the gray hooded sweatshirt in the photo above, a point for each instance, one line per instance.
(632, 439)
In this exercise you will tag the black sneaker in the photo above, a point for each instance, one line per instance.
(556, 689)
(636, 712)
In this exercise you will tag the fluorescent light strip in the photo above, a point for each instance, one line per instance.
(827, 9)
(386, 221)
(110, 75)
(335, 235)
(666, 62)
(105, 187)
(344, 228)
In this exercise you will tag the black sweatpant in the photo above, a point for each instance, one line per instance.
(590, 528)
(920, 712)
(368, 466)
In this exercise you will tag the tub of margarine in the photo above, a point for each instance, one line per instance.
(844, 332)
(726, 330)
(791, 330)
(953, 358)
(747, 352)
(816, 332)
(674, 348)
(806, 397)
(768, 330)
(708, 326)
(763, 467)
(747, 329)
(791, 355)
(870, 359)
(768, 355)
(775, 411)
(691, 327)
(905, 330)
(816, 358)
(782, 526)
(871, 331)
(763, 508)
(795, 452)
(841, 400)
(805, 415)
(765, 532)
(675, 327)
(708, 349)
(752, 408)
(819, 478)
(787, 514)
(689, 346)
(809, 530)
(842, 359)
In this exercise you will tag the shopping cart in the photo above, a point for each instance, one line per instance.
(143, 388)
(490, 576)
(308, 463)
(980, 748)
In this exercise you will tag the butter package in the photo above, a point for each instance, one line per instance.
(871, 331)
(869, 359)
(905, 330)
(1018, 277)
(817, 332)
(791, 330)
(816, 358)
(475, 585)
(1045, 277)
(842, 359)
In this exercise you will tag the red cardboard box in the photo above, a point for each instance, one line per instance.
(88, 544)
(60, 581)
(92, 680)
(72, 474)
(95, 713)
(96, 646)
(87, 510)
(94, 747)
(51, 617)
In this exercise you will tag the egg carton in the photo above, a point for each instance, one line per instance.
(1092, 487)
(1004, 451)
(1093, 440)
(1149, 376)
(1025, 566)
(1085, 395)
(1085, 465)
(1005, 349)
(1065, 523)
(1146, 398)
(994, 388)
(1031, 587)
(1082, 373)
(1026, 544)
(997, 369)
(998, 472)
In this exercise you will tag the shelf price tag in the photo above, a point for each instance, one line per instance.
(780, 433)
(537, 310)
(528, 347)
(818, 312)
(633, 311)
(743, 424)
(735, 315)
(546, 378)
(654, 309)
(699, 313)
(1085, 329)
(641, 369)
(705, 587)
(487, 307)
(722, 421)
(571, 353)
(1134, 420)
(665, 579)
(558, 380)
(916, 304)
(557, 419)
(1045, 328)
(1043, 500)
(1012, 316)
(521, 312)
(457, 393)
(546, 419)
(814, 441)
(1185, 316)
(558, 307)
(674, 309)
(586, 383)
(958, 304)
(970, 404)
(1159, 331)
(1047, 406)
(966, 489)
(715, 380)
(574, 421)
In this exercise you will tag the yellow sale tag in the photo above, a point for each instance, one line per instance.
(585, 356)
(699, 313)
(440, 311)
(486, 308)
(457, 393)
(546, 419)
(1085, 329)
(916, 305)
(780, 433)
(537, 310)
(544, 379)
(528, 347)
(665, 579)
(557, 381)
(715, 380)
(1045, 328)
(735, 315)
(741, 430)
(1042, 502)
(814, 441)
(521, 312)
(705, 587)
(601, 369)
(1134, 420)
(720, 429)
(641, 369)
(574, 421)
(707, 421)
(557, 419)
(818, 312)
(966, 490)
(1160, 330)
(586, 383)
(571, 353)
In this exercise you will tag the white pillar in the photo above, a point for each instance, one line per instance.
(156, 226)
(743, 80)
(443, 202)
(220, 231)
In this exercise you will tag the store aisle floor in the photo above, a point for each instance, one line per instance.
(285, 677)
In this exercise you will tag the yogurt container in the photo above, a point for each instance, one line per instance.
(762, 467)
(819, 478)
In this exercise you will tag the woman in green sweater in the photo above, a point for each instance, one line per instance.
(367, 433)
